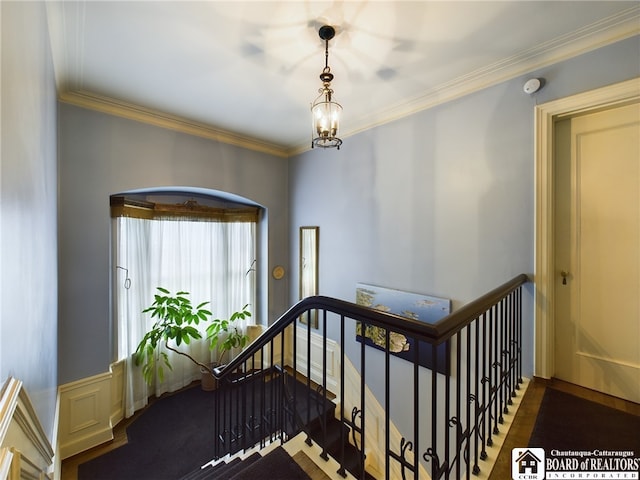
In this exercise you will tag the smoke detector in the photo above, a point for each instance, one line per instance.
(532, 86)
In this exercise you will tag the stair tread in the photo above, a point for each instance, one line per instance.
(276, 465)
(235, 467)
(211, 471)
(310, 467)
(312, 408)
(199, 474)
(333, 430)
(333, 445)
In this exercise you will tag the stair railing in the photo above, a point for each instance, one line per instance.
(452, 396)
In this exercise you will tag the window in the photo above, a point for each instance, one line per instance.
(207, 251)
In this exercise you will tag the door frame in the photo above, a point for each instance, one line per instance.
(545, 116)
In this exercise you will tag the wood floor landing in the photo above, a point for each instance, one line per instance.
(525, 418)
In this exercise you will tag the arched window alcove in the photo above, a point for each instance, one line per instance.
(204, 242)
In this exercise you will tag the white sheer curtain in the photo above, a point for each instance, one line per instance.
(211, 260)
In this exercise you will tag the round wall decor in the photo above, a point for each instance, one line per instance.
(278, 272)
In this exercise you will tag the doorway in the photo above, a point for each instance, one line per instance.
(597, 250)
(547, 273)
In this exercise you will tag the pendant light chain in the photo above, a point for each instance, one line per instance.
(326, 55)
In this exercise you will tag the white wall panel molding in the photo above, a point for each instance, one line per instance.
(117, 392)
(25, 450)
(5, 462)
(333, 365)
(85, 414)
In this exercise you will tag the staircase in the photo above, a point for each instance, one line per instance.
(307, 411)
(445, 405)
(277, 463)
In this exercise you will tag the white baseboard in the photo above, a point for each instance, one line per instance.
(486, 466)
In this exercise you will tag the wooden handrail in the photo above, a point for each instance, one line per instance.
(434, 334)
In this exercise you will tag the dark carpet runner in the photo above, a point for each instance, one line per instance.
(277, 465)
(175, 435)
(165, 442)
(567, 422)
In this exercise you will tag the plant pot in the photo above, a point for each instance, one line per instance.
(208, 382)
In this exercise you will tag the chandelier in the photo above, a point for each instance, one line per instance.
(324, 111)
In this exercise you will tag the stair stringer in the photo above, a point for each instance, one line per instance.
(375, 447)
(375, 437)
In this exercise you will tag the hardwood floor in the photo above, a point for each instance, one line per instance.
(69, 469)
(518, 435)
(525, 418)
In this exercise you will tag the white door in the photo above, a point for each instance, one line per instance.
(597, 251)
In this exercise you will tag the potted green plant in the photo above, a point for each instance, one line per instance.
(176, 321)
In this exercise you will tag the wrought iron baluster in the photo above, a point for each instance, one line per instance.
(404, 446)
(447, 410)
(324, 454)
(437, 470)
(493, 375)
(308, 373)
(431, 452)
(387, 410)
(483, 382)
(458, 401)
(416, 398)
(470, 397)
(341, 470)
(488, 372)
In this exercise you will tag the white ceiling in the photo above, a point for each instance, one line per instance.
(248, 71)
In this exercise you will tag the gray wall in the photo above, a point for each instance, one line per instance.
(101, 155)
(28, 256)
(441, 202)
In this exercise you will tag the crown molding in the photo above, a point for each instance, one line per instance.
(610, 30)
(607, 31)
(111, 106)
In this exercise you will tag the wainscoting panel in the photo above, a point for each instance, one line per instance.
(333, 362)
(85, 414)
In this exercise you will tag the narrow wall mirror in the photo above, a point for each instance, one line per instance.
(309, 237)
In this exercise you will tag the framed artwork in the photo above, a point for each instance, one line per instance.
(419, 307)
(309, 238)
